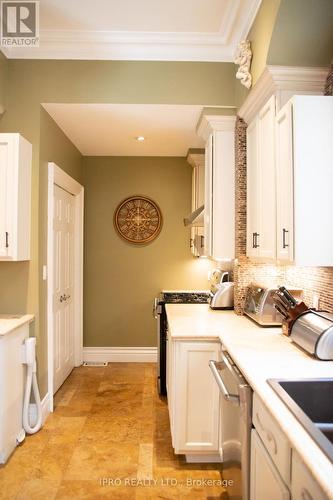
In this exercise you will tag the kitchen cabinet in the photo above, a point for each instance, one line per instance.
(197, 161)
(219, 219)
(304, 179)
(277, 470)
(193, 398)
(15, 197)
(304, 487)
(261, 198)
(266, 482)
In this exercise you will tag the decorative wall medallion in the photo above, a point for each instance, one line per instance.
(138, 219)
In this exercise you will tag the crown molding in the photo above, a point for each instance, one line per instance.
(211, 123)
(219, 46)
(196, 159)
(283, 81)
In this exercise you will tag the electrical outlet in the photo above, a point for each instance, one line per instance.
(315, 300)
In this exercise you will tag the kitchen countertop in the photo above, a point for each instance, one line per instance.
(260, 353)
(9, 322)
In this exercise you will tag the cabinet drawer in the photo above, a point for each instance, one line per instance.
(303, 485)
(273, 438)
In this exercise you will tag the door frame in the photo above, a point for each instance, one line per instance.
(57, 176)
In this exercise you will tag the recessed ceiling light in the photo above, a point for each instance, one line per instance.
(141, 138)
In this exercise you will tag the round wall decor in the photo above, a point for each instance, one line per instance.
(138, 219)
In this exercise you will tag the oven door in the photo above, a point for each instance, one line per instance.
(235, 425)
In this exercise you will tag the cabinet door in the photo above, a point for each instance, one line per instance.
(252, 189)
(303, 486)
(6, 194)
(284, 184)
(208, 195)
(267, 181)
(266, 482)
(196, 404)
(223, 203)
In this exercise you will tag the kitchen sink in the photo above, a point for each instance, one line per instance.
(311, 401)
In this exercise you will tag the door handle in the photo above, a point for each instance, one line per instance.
(215, 366)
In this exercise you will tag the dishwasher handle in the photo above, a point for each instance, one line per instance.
(215, 366)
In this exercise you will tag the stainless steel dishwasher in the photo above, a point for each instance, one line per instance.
(235, 425)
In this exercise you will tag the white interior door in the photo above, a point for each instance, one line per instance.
(63, 285)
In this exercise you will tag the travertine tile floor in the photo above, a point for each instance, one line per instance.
(108, 437)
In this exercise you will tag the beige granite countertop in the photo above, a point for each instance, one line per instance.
(9, 322)
(260, 353)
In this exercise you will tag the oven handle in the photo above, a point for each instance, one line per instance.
(157, 308)
(215, 366)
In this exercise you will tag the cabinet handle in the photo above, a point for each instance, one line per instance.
(284, 244)
(202, 241)
(305, 495)
(7, 244)
(191, 242)
(269, 434)
(255, 243)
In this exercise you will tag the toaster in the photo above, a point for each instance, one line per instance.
(313, 331)
(259, 304)
(223, 298)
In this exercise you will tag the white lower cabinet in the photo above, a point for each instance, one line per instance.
(266, 482)
(193, 398)
(277, 470)
(303, 486)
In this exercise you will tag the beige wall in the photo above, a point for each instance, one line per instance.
(121, 279)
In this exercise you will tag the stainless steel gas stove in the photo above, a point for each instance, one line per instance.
(171, 297)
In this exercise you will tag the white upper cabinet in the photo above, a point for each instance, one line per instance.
(219, 225)
(15, 197)
(261, 200)
(304, 166)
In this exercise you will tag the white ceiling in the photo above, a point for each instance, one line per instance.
(111, 129)
(180, 30)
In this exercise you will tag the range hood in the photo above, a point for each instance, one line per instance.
(196, 218)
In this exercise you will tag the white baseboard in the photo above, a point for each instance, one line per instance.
(121, 354)
(45, 409)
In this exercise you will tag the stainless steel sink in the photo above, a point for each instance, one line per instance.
(311, 401)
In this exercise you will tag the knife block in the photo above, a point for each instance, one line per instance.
(293, 314)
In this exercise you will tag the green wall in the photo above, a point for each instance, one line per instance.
(303, 34)
(260, 37)
(124, 81)
(55, 147)
(121, 279)
(32, 82)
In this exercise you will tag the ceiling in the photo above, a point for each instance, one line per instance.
(177, 30)
(111, 129)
